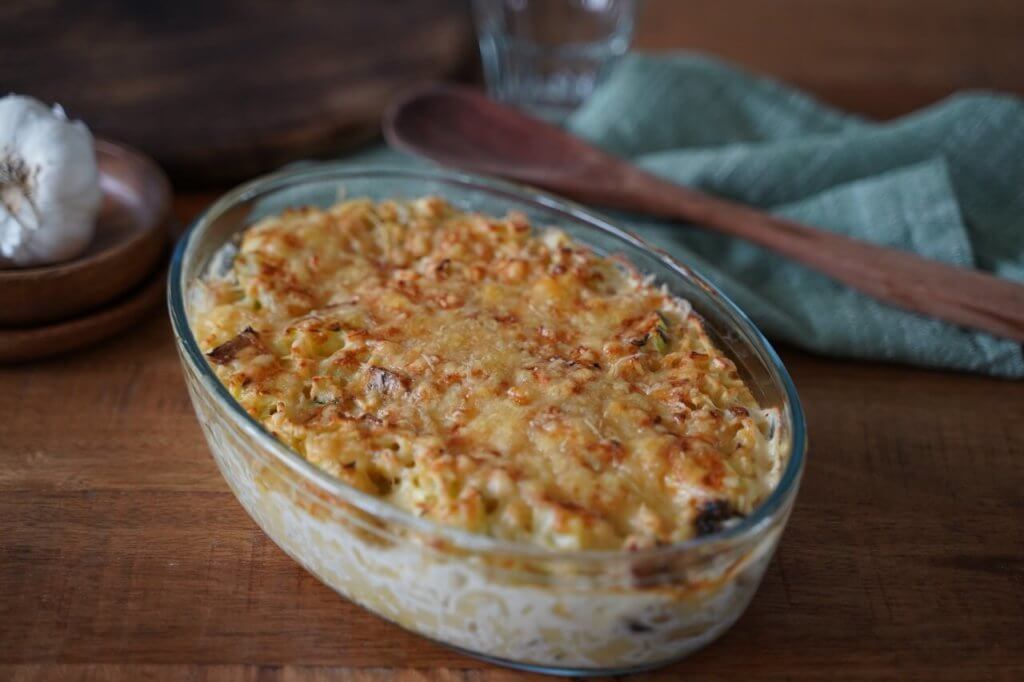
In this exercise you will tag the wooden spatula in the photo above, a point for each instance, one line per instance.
(460, 127)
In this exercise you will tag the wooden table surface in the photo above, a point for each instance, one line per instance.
(123, 556)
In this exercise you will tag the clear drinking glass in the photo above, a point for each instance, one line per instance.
(546, 56)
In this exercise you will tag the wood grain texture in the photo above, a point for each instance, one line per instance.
(123, 556)
(220, 90)
(879, 58)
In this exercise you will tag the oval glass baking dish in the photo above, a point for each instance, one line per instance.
(563, 612)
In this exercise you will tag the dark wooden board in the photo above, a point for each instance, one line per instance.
(220, 90)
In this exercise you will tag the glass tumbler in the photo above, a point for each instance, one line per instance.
(546, 56)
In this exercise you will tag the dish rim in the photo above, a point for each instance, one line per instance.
(750, 526)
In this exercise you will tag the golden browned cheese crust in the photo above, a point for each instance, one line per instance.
(486, 375)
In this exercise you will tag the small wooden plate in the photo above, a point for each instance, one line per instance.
(18, 345)
(130, 238)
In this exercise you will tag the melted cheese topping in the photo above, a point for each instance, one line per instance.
(476, 373)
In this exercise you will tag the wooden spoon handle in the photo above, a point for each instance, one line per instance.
(461, 127)
(965, 297)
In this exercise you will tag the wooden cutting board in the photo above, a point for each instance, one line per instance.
(220, 90)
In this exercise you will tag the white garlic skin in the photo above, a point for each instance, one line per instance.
(49, 184)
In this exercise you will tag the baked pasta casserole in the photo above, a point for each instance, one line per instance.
(488, 375)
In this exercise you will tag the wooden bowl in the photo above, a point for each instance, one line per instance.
(130, 238)
(20, 345)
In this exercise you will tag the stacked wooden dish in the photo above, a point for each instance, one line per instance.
(119, 278)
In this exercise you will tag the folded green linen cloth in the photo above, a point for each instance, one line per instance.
(946, 182)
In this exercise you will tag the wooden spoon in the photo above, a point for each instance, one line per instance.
(460, 127)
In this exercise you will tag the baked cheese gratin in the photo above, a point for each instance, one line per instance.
(485, 375)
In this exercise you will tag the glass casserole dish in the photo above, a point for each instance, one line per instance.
(570, 612)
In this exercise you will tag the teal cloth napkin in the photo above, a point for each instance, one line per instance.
(946, 182)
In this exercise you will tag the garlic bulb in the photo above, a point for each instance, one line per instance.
(49, 184)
